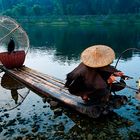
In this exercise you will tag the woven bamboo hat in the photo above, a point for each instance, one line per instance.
(97, 56)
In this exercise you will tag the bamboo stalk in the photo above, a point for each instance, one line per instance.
(31, 80)
(10, 32)
(44, 77)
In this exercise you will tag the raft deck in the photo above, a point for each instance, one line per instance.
(54, 87)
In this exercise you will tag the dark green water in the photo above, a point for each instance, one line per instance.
(69, 41)
(56, 50)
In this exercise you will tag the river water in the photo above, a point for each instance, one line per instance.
(55, 50)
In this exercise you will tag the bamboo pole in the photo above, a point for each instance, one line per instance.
(10, 32)
(34, 80)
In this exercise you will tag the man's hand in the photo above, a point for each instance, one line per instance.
(111, 79)
(119, 74)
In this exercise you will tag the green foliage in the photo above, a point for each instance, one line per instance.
(20, 9)
(37, 9)
(69, 7)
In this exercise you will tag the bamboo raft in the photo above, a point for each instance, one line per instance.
(54, 87)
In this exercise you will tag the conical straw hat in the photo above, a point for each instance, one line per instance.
(97, 56)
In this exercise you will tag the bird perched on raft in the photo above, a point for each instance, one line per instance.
(11, 46)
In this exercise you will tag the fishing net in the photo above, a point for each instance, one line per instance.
(10, 28)
(12, 94)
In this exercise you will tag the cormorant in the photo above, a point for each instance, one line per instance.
(11, 45)
(14, 95)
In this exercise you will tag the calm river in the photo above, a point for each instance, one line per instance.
(55, 50)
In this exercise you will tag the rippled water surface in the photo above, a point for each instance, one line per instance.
(55, 50)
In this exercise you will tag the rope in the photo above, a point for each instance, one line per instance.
(23, 98)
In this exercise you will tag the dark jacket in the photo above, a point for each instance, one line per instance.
(84, 80)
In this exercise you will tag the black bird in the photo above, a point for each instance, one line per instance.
(11, 45)
(119, 85)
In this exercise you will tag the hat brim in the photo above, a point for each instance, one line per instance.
(98, 56)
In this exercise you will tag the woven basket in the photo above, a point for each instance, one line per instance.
(12, 60)
(10, 28)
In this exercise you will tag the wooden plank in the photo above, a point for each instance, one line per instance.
(54, 87)
(48, 77)
(46, 80)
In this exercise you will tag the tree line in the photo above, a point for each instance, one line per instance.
(68, 7)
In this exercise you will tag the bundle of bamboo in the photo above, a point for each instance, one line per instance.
(53, 87)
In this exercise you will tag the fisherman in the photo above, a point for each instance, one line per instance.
(93, 78)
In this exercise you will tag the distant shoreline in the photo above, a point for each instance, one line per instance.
(82, 20)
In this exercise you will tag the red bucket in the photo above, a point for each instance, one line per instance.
(12, 60)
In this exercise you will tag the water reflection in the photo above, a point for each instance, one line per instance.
(56, 50)
(15, 89)
(69, 41)
(53, 47)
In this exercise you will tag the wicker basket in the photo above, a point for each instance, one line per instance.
(12, 60)
(9, 28)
